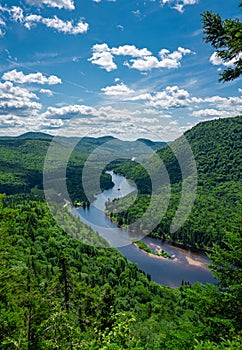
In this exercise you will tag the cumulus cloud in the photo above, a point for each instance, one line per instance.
(15, 12)
(68, 112)
(38, 78)
(66, 27)
(46, 92)
(102, 56)
(121, 120)
(167, 59)
(17, 100)
(207, 112)
(119, 90)
(217, 106)
(179, 4)
(142, 60)
(130, 50)
(217, 61)
(66, 4)
(10, 121)
(170, 97)
(174, 97)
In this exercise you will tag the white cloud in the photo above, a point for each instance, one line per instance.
(174, 97)
(68, 112)
(119, 90)
(143, 61)
(217, 61)
(208, 112)
(217, 106)
(170, 97)
(106, 0)
(46, 92)
(2, 23)
(17, 14)
(121, 120)
(179, 4)
(119, 26)
(66, 27)
(10, 121)
(168, 60)
(66, 4)
(102, 57)
(17, 100)
(38, 78)
(130, 50)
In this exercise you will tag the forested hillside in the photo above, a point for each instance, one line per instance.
(217, 148)
(57, 293)
(22, 161)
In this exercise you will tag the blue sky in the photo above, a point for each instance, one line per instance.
(123, 68)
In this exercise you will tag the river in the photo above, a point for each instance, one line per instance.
(186, 265)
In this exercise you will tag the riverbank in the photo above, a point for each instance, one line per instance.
(183, 265)
(181, 245)
(158, 252)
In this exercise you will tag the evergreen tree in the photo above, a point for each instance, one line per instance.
(226, 37)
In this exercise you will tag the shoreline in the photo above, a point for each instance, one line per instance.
(190, 261)
(172, 243)
(152, 255)
(181, 245)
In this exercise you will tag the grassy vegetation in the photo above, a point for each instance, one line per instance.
(143, 246)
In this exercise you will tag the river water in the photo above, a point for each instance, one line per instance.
(186, 265)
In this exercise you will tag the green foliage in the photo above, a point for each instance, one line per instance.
(226, 37)
(217, 147)
(57, 293)
(22, 163)
(143, 246)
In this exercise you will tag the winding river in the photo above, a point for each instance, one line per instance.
(185, 265)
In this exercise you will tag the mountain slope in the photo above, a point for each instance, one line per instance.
(217, 148)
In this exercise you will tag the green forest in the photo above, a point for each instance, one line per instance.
(59, 293)
(216, 146)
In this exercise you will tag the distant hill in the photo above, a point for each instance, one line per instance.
(153, 144)
(35, 136)
(22, 161)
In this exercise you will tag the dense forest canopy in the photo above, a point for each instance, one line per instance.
(59, 293)
(216, 146)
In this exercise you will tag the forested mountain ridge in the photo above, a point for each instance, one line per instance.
(217, 149)
(22, 162)
(216, 146)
